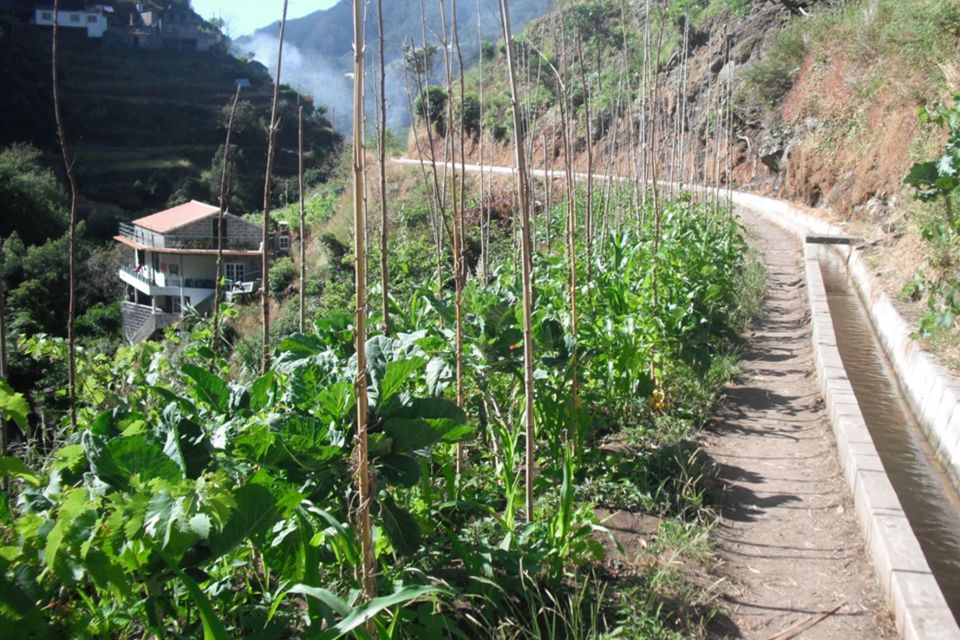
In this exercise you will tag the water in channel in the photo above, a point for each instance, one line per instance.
(930, 502)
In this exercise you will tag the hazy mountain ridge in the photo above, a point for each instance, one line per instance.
(319, 47)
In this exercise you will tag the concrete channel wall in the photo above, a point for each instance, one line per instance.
(911, 590)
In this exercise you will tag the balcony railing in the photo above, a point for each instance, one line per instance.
(150, 277)
(154, 240)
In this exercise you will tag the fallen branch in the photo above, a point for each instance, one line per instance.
(803, 625)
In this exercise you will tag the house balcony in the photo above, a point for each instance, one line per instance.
(159, 283)
(141, 238)
(150, 282)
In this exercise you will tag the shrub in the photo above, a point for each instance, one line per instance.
(469, 114)
(769, 80)
(282, 274)
(430, 106)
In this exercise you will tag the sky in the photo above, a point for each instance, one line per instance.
(243, 17)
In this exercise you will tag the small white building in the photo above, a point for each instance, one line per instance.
(92, 18)
(174, 264)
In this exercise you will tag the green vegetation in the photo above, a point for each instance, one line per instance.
(769, 79)
(199, 499)
(31, 195)
(148, 126)
(939, 181)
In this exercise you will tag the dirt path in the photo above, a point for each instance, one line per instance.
(789, 540)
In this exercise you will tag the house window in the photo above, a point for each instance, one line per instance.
(234, 271)
(284, 243)
(92, 19)
(46, 15)
(74, 17)
(174, 269)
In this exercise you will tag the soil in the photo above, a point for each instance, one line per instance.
(788, 538)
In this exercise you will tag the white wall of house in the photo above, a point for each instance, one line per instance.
(95, 23)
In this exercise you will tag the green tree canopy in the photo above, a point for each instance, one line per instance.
(31, 196)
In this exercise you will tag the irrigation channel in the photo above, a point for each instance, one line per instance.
(929, 500)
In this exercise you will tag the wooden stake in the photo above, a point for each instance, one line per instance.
(362, 521)
(382, 148)
(303, 225)
(526, 264)
(267, 187)
(72, 180)
(224, 194)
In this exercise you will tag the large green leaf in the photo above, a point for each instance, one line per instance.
(410, 434)
(330, 602)
(439, 375)
(13, 405)
(302, 345)
(18, 610)
(15, 468)
(428, 408)
(256, 512)
(209, 388)
(262, 392)
(305, 443)
(360, 615)
(399, 469)
(107, 574)
(400, 526)
(398, 374)
(116, 460)
(188, 445)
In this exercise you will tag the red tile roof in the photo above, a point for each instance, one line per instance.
(166, 221)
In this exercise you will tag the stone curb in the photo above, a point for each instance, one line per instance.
(931, 390)
(911, 590)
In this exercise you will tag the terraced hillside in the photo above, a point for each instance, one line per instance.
(146, 125)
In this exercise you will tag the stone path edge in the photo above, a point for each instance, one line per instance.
(931, 390)
(911, 590)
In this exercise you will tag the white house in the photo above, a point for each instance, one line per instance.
(174, 264)
(92, 18)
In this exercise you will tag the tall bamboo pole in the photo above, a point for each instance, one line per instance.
(267, 187)
(382, 149)
(303, 224)
(588, 217)
(526, 263)
(223, 194)
(484, 210)
(362, 520)
(72, 180)
(455, 214)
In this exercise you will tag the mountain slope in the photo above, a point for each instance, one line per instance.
(318, 49)
(146, 126)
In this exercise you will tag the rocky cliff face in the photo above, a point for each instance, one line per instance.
(822, 94)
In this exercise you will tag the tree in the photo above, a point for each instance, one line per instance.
(431, 106)
(469, 114)
(31, 195)
(419, 61)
